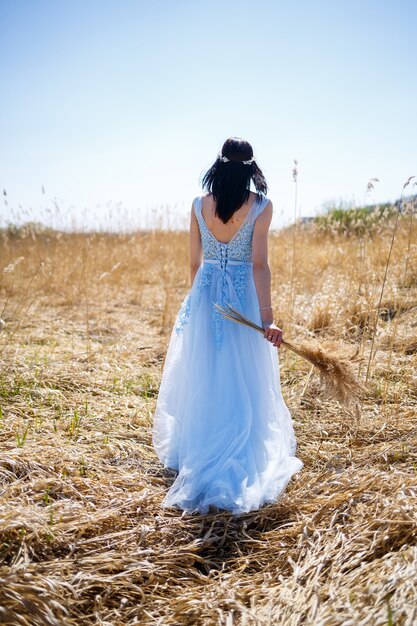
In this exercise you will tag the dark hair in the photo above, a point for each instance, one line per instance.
(229, 181)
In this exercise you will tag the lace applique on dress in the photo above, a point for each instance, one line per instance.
(183, 314)
(204, 280)
(226, 264)
(239, 248)
(240, 281)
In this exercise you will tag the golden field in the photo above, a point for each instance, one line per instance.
(86, 319)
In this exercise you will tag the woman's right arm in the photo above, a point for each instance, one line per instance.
(262, 274)
(196, 252)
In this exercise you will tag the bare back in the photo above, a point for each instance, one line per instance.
(225, 232)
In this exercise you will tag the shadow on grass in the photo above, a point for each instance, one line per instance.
(220, 537)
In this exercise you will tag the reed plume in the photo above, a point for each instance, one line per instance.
(334, 369)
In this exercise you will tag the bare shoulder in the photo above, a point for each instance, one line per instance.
(206, 198)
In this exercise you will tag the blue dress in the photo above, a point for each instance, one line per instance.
(220, 420)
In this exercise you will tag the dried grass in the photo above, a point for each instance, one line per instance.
(334, 368)
(83, 537)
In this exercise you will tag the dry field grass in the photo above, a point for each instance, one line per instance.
(83, 540)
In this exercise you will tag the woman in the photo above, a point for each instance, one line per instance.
(220, 419)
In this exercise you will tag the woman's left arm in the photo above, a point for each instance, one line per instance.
(262, 275)
(196, 252)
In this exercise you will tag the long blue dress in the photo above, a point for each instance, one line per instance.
(220, 417)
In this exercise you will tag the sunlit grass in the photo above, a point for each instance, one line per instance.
(86, 319)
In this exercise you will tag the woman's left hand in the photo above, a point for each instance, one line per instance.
(273, 334)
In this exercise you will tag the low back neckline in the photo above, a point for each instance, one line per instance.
(226, 243)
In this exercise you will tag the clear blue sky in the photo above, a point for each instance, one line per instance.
(129, 101)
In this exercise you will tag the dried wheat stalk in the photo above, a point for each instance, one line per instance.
(335, 371)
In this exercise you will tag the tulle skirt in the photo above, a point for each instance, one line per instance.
(220, 420)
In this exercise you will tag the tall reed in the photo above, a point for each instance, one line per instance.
(394, 231)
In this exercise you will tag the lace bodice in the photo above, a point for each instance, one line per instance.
(239, 248)
(225, 272)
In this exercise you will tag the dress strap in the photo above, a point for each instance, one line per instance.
(259, 207)
(197, 204)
